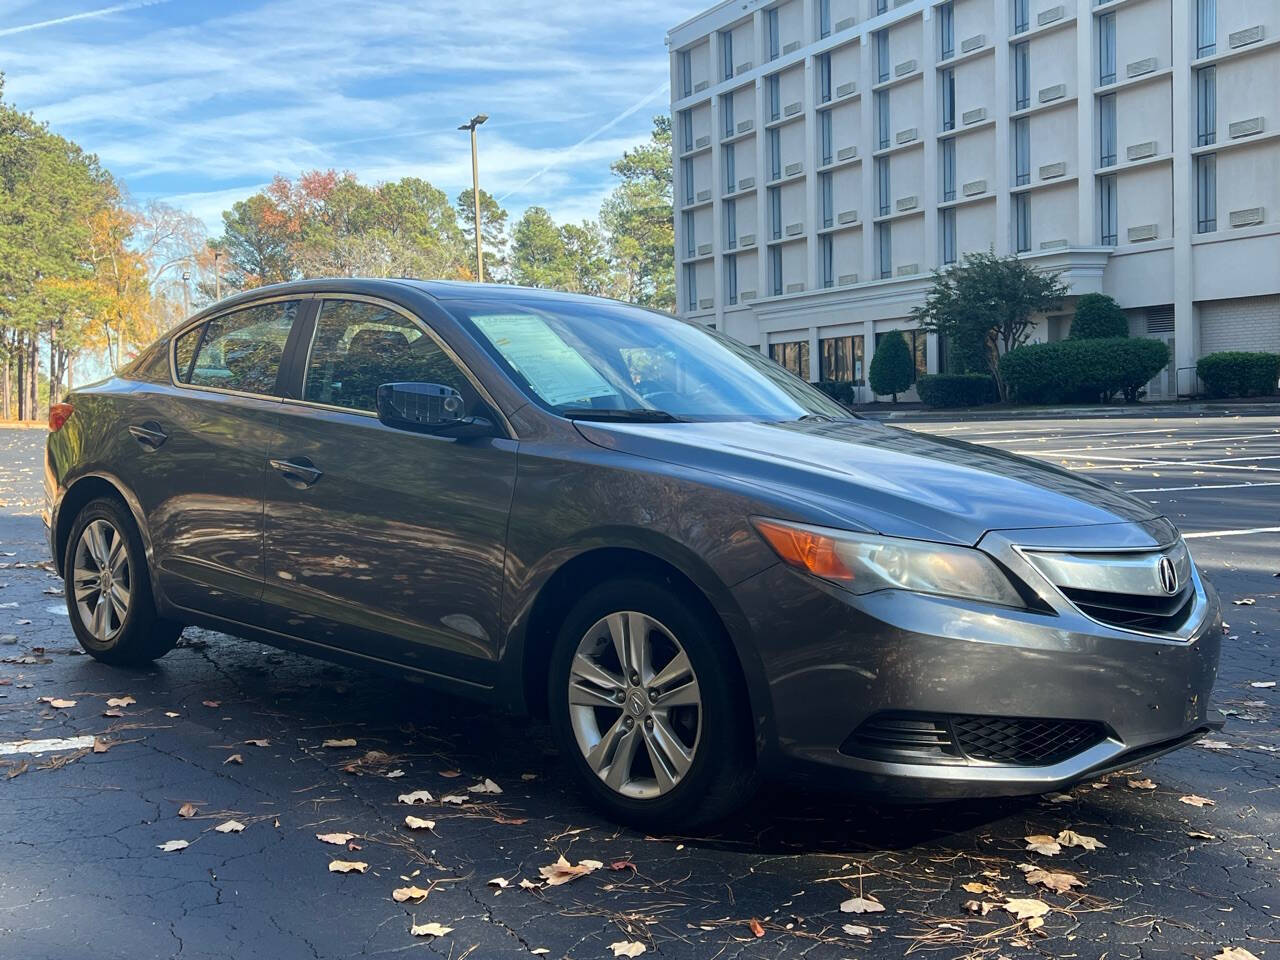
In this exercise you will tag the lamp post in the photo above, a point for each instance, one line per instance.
(186, 293)
(471, 125)
(217, 276)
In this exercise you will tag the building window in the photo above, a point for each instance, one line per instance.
(731, 279)
(824, 77)
(1021, 16)
(726, 53)
(1022, 152)
(775, 154)
(730, 168)
(794, 356)
(884, 250)
(690, 286)
(826, 191)
(771, 27)
(824, 18)
(690, 243)
(882, 6)
(686, 179)
(882, 185)
(774, 86)
(1206, 27)
(775, 213)
(948, 239)
(946, 30)
(730, 224)
(882, 56)
(686, 131)
(1206, 106)
(1107, 215)
(840, 359)
(948, 170)
(684, 67)
(1021, 76)
(825, 137)
(1206, 193)
(726, 111)
(1107, 130)
(1106, 49)
(828, 251)
(947, 87)
(1022, 222)
(918, 344)
(775, 271)
(882, 118)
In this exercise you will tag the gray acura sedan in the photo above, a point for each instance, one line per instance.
(699, 568)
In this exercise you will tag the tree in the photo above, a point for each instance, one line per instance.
(891, 365)
(537, 251)
(985, 307)
(639, 222)
(493, 232)
(585, 260)
(1097, 316)
(256, 243)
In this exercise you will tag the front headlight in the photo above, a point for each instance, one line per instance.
(864, 563)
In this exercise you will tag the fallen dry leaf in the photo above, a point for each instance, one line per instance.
(348, 742)
(977, 887)
(394, 774)
(121, 702)
(57, 702)
(171, 845)
(1069, 838)
(450, 774)
(188, 810)
(429, 930)
(862, 905)
(527, 884)
(418, 796)
(1043, 843)
(101, 745)
(417, 823)
(1214, 744)
(401, 894)
(1235, 953)
(230, 826)
(756, 927)
(1192, 800)
(1147, 784)
(1263, 684)
(170, 714)
(856, 930)
(1200, 835)
(113, 712)
(337, 839)
(1056, 881)
(562, 871)
(212, 704)
(234, 758)
(258, 743)
(1026, 909)
(500, 882)
(622, 865)
(628, 948)
(511, 821)
(453, 798)
(1246, 602)
(982, 907)
(487, 786)
(347, 866)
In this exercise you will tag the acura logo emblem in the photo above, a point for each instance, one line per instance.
(1168, 575)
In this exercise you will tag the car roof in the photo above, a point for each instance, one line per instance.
(438, 289)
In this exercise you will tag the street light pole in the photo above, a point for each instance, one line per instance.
(471, 125)
(217, 276)
(186, 293)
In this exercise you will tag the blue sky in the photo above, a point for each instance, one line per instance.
(200, 103)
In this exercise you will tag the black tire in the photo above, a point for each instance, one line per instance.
(721, 776)
(142, 635)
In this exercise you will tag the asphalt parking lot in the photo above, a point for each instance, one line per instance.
(1186, 863)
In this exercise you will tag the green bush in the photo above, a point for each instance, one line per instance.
(841, 391)
(957, 389)
(1098, 317)
(891, 366)
(1082, 371)
(1237, 373)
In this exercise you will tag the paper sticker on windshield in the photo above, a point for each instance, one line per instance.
(553, 368)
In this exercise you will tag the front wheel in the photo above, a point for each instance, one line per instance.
(108, 590)
(647, 707)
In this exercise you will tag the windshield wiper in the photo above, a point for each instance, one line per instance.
(638, 415)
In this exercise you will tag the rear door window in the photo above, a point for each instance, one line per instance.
(238, 351)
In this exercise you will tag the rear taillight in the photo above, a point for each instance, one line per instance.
(59, 413)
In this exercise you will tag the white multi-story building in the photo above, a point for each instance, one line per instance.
(829, 154)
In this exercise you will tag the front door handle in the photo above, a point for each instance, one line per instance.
(300, 474)
(148, 434)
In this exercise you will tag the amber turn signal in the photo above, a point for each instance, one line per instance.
(805, 549)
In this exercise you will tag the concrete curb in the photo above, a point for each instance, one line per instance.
(1141, 410)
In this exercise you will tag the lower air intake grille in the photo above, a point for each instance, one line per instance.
(939, 738)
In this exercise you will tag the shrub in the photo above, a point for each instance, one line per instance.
(1237, 373)
(1089, 370)
(957, 389)
(891, 366)
(1097, 317)
(841, 391)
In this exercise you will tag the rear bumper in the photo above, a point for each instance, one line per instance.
(833, 660)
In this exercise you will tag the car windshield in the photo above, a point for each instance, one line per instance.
(607, 361)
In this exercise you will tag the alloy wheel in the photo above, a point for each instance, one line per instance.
(101, 580)
(634, 704)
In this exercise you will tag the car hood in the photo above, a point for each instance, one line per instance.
(864, 475)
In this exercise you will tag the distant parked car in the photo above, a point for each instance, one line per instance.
(695, 564)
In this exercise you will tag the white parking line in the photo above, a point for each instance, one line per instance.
(1081, 436)
(1162, 443)
(1204, 486)
(1230, 533)
(45, 746)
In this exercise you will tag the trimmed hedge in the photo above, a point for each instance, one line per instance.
(957, 389)
(1238, 373)
(1082, 371)
(841, 391)
(1098, 317)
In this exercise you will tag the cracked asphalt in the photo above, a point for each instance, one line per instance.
(81, 874)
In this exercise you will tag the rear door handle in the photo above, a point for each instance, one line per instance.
(148, 434)
(298, 474)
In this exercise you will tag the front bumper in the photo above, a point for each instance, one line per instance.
(832, 660)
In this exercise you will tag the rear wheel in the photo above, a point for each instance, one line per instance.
(108, 589)
(647, 708)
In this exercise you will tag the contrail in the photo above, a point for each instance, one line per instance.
(588, 138)
(88, 14)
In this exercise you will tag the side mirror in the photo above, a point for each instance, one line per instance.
(428, 408)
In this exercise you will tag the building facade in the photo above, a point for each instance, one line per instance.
(830, 154)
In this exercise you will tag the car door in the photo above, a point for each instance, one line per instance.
(385, 542)
(202, 451)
